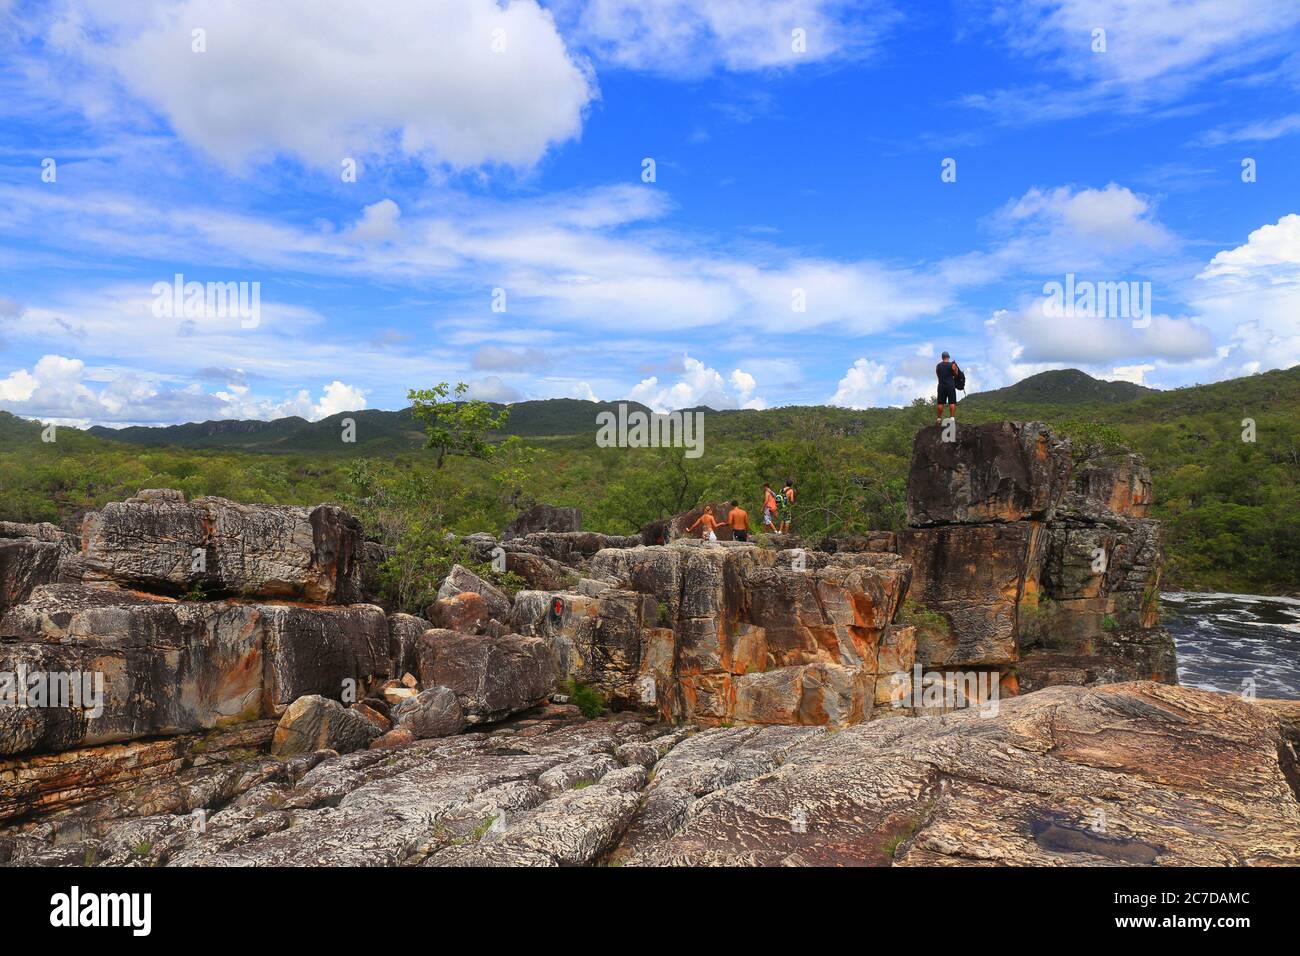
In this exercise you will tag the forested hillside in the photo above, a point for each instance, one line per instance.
(1231, 507)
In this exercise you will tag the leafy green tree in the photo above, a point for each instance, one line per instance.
(455, 426)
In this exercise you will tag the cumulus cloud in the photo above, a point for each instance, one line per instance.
(326, 80)
(378, 222)
(698, 385)
(870, 384)
(492, 389)
(693, 37)
(1094, 339)
(62, 389)
(1250, 296)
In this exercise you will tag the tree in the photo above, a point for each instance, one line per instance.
(455, 426)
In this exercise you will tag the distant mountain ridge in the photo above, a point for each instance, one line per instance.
(1059, 392)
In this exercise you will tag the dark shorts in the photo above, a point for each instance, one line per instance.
(739, 535)
(947, 395)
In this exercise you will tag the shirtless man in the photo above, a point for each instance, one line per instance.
(738, 520)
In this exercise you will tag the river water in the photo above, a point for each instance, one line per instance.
(1225, 640)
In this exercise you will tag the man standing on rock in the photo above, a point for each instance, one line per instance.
(738, 520)
(946, 371)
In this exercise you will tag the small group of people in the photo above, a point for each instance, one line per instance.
(777, 515)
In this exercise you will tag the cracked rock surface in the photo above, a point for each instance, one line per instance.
(1124, 774)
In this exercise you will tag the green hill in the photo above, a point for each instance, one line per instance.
(1230, 507)
(1063, 387)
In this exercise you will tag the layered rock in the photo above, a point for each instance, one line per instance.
(491, 677)
(689, 628)
(160, 666)
(1027, 553)
(158, 541)
(315, 723)
(32, 555)
(1129, 774)
(1005, 471)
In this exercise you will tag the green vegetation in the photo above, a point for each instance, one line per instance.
(930, 625)
(588, 699)
(1039, 624)
(1230, 508)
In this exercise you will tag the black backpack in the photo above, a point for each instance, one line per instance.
(959, 379)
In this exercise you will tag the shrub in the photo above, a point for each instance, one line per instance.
(588, 699)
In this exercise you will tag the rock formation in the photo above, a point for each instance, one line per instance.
(243, 675)
(1046, 569)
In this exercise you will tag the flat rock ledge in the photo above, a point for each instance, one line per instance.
(1125, 774)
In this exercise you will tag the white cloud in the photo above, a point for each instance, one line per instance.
(1114, 218)
(698, 385)
(870, 384)
(1156, 50)
(1266, 249)
(378, 222)
(693, 37)
(1256, 132)
(493, 389)
(1093, 339)
(1131, 373)
(325, 80)
(66, 390)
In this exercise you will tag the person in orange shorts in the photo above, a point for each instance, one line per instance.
(738, 521)
(707, 522)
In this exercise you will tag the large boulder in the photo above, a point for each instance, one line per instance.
(31, 555)
(977, 577)
(543, 518)
(1003, 471)
(462, 579)
(317, 723)
(492, 677)
(466, 612)
(816, 694)
(434, 712)
(126, 665)
(594, 638)
(158, 541)
(404, 632)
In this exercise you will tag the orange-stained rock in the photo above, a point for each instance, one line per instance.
(466, 612)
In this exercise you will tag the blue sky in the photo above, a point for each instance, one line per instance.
(797, 245)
